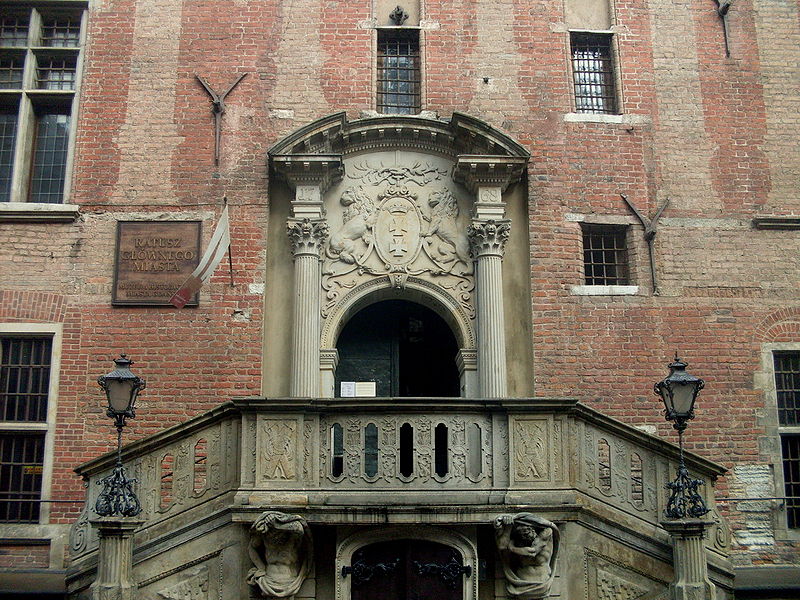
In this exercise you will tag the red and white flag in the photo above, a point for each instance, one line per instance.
(220, 242)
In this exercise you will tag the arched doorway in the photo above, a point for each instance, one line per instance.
(407, 570)
(405, 348)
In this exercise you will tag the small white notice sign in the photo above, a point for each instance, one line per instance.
(348, 389)
(365, 389)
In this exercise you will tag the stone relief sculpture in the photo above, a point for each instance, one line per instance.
(398, 233)
(281, 549)
(444, 212)
(528, 546)
(359, 218)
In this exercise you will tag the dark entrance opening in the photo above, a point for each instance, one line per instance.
(407, 570)
(405, 348)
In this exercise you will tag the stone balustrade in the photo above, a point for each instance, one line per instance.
(334, 456)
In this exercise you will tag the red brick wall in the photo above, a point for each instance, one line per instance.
(726, 288)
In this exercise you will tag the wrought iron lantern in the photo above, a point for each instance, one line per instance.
(679, 391)
(122, 388)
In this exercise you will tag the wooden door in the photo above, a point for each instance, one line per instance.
(406, 570)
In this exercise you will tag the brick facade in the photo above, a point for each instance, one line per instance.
(715, 136)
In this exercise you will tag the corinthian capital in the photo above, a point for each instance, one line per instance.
(489, 237)
(307, 235)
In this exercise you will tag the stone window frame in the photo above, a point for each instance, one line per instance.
(630, 225)
(770, 444)
(43, 530)
(619, 116)
(421, 33)
(28, 99)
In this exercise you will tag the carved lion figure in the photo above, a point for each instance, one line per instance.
(358, 219)
(444, 213)
(281, 549)
(528, 546)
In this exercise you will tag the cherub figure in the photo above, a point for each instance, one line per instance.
(281, 550)
(528, 546)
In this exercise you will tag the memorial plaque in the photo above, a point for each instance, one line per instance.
(153, 259)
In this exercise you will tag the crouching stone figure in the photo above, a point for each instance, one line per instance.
(282, 551)
(528, 546)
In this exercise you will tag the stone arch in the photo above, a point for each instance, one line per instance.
(416, 290)
(465, 546)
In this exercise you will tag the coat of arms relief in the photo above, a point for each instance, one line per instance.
(398, 222)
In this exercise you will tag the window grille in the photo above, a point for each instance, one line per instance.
(21, 465)
(790, 446)
(787, 384)
(14, 31)
(593, 73)
(56, 73)
(8, 133)
(24, 378)
(11, 66)
(24, 388)
(61, 31)
(50, 158)
(39, 57)
(398, 72)
(605, 255)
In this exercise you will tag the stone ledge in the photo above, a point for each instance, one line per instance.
(28, 212)
(604, 290)
(773, 577)
(604, 118)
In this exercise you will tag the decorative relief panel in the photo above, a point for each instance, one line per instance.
(397, 221)
(423, 448)
(609, 579)
(194, 586)
(277, 449)
(531, 450)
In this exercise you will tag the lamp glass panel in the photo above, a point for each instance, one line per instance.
(682, 397)
(119, 394)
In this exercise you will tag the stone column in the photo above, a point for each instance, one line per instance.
(115, 559)
(689, 560)
(487, 177)
(488, 239)
(307, 237)
(310, 176)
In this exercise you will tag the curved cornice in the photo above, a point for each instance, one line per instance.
(461, 135)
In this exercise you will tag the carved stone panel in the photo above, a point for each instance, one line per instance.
(277, 449)
(394, 217)
(609, 579)
(531, 450)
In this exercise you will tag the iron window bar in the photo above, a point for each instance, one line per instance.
(398, 72)
(593, 73)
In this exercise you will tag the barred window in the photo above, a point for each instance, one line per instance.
(398, 72)
(593, 73)
(787, 384)
(790, 448)
(40, 51)
(605, 255)
(25, 364)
